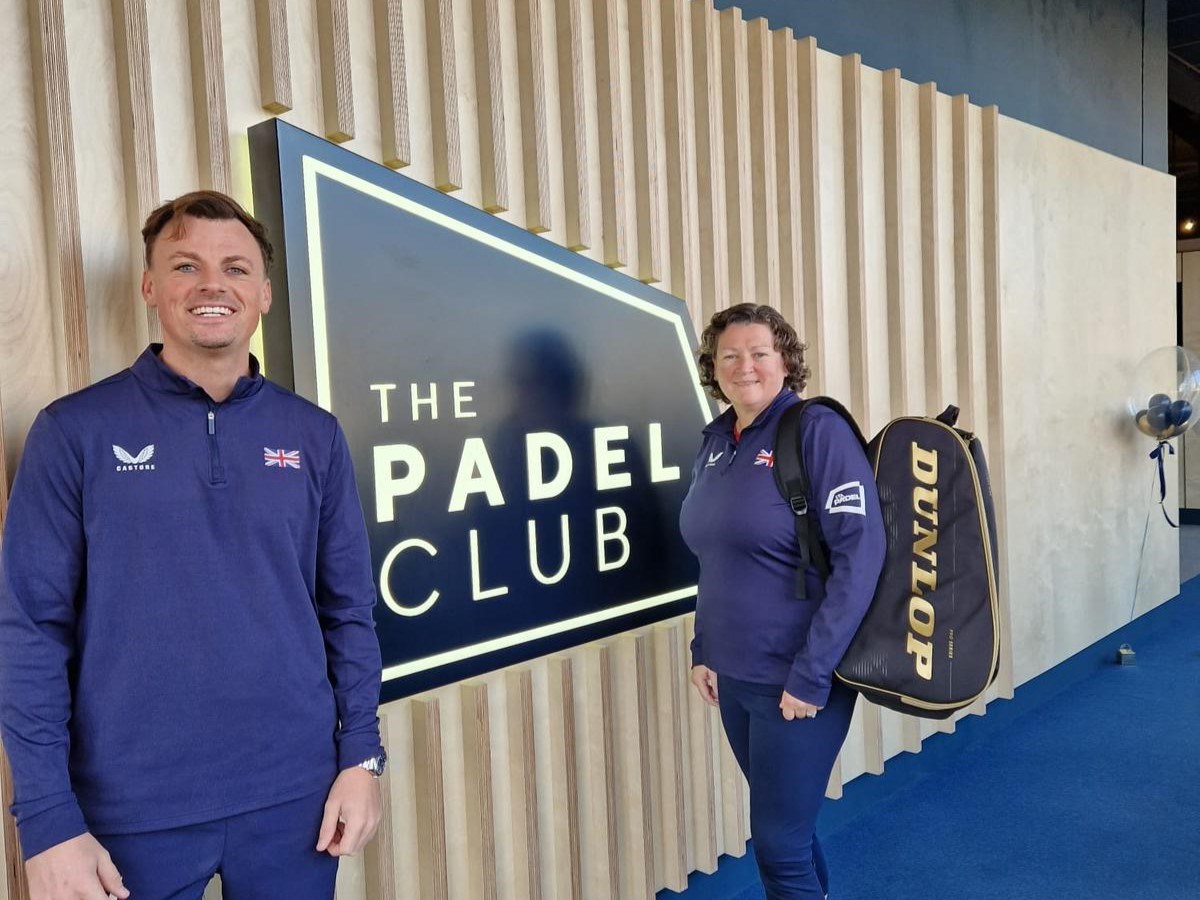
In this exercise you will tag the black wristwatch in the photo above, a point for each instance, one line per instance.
(376, 764)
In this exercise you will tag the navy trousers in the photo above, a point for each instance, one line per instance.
(787, 765)
(267, 854)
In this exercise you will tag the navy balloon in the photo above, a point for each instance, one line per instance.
(1181, 411)
(1159, 400)
(1158, 416)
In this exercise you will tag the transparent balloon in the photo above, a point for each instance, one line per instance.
(1165, 392)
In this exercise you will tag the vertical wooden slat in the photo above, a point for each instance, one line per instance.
(785, 90)
(610, 121)
(136, 103)
(489, 98)
(813, 321)
(208, 93)
(856, 264)
(14, 865)
(893, 212)
(525, 863)
(703, 763)
(430, 825)
(764, 196)
(379, 856)
(872, 729)
(735, 821)
(443, 95)
(390, 60)
(994, 344)
(710, 161)
(683, 239)
(646, 176)
(833, 790)
(477, 771)
(930, 241)
(532, 88)
(562, 874)
(274, 56)
(571, 80)
(60, 196)
(593, 711)
(734, 101)
(631, 771)
(337, 86)
(669, 678)
(963, 276)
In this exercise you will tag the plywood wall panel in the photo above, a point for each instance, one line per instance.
(518, 832)
(60, 194)
(572, 79)
(963, 254)
(856, 262)
(274, 58)
(701, 766)
(558, 790)
(735, 136)
(391, 60)
(135, 94)
(479, 777)
(114, 312)
(831, 346)
(337, 83)
(812, 323)
(930, 247)
(443, 94)
(536, 152)
(785, 91)
(669, 679)
(629, 677)
(894, 222)
(998, 469)
(610, 104)
(679, 175)
(644, 89)
(710, 161)
(208, 93)
(764, 198)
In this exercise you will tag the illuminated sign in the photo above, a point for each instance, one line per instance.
(523, 420)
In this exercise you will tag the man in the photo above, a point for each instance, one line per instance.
(189, 674)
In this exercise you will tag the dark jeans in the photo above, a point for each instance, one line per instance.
(266, 854)
(787, 765)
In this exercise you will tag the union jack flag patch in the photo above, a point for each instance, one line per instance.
(765, 458)
(283, 459)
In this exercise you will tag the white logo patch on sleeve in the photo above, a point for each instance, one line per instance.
(847, 498)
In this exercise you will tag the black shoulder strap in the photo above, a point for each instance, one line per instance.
(791, 477)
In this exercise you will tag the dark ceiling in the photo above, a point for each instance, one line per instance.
(1183, 109)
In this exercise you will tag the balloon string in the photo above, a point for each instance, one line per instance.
(1137, 583)
(1159, 454)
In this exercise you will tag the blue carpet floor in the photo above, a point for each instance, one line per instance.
(1086, 785)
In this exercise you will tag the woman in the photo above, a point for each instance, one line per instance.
(763, 656)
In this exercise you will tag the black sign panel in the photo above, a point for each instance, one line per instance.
(522, 419)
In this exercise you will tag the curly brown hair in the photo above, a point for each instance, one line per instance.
(204, 205)
(787, 342)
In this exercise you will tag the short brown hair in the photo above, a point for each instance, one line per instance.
(204, 205)
(787, 342)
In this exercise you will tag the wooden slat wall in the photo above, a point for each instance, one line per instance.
(681, 144)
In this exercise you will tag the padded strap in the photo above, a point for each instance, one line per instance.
(791, 477)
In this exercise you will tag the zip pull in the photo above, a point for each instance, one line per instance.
(212, 422)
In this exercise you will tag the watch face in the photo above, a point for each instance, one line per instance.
(376, 764)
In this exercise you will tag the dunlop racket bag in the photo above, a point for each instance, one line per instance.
(929, 644)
